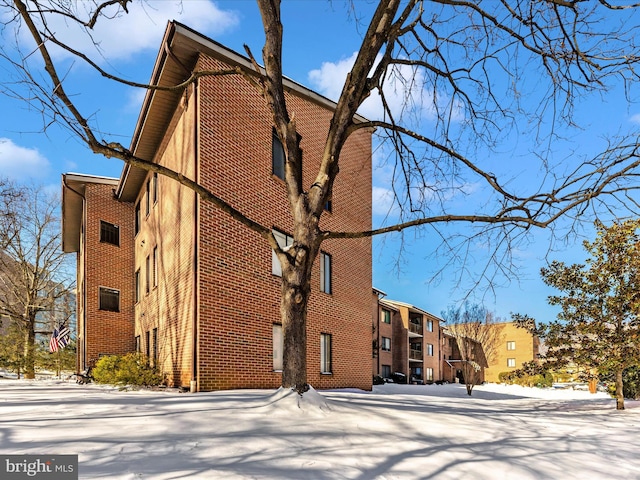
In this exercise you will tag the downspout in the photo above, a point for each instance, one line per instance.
(83, 360)
(379, 338)
(194, 387)
(85, 366)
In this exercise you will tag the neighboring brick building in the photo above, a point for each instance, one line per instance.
(384, 318)
(100, 229)
(518, 346)
(412, 344)
(199, 292)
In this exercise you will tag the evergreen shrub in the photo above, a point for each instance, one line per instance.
(129, 369)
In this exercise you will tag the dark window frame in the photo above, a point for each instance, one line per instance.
(326, 273)
(326, 353)
(137, 285)
(147, 203)
(108, 298)
(137, 219)
(147, 275)
(109, 233)
(154, 267)
(154, 186)
(278, 156)
(154, 348)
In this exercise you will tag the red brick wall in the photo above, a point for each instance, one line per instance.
(169, 228)
(108, 266)
(239, 297)
(383, 330)
(432, 338)
(400, 344)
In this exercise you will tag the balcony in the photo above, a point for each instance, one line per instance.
(415, 329)
(416, 355)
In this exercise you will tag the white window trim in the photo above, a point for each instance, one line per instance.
(284, 241)
(278, 347)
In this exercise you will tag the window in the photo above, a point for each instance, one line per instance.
(109, 299)
(147, 275)
(325, 272)
(284, 240)
(154, 347)
(147, 344)
(154, 187)
(155, 266)
(429, 325)
(428, 374)
(278, 347)
(511, 345)
(138, 346)
(137, 290)
(386, 371)
(430, 349)
(277, 156)
(511, 362)
(137, 219)
(147, 199)
(109, 233)
(328, 206)
(325, 353)
(386, 316)
(386, 344)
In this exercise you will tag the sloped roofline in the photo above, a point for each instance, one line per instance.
(176, 59)
(73, 189)
(396, 303)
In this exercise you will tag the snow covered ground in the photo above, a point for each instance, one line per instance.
(394, 432)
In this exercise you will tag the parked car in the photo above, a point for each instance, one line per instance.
(399, 377)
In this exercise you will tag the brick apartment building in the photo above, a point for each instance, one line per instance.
(164, 273)
(406, 340)
(412, 341)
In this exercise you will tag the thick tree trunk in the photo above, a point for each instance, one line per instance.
(293, 310)
(619, 390)
(296, 289)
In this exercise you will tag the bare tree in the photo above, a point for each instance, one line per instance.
(477, 335)
(478, 69)
(33, 278)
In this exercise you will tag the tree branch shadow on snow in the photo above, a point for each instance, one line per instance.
(238, 434)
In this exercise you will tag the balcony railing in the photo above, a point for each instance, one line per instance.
(415, 328)
(415, 354)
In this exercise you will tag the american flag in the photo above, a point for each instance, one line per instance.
(59, 338)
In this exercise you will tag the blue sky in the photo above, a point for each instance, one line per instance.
(319, 40)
